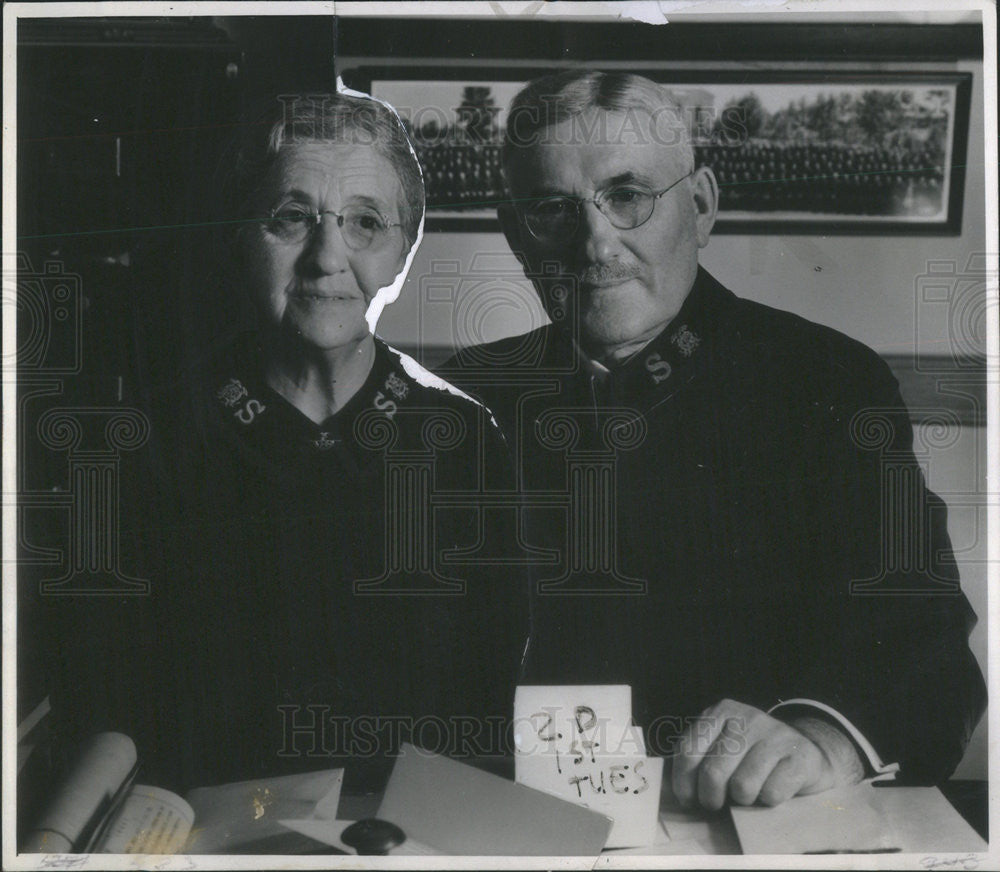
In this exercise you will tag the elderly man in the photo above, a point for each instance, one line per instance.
(747, 539)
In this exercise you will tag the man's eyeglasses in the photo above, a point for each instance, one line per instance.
(361, 226)
(557, 219)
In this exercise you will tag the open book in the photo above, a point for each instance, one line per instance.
(100, 809)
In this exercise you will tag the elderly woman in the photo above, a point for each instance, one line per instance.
(339, 198)
(308, 605)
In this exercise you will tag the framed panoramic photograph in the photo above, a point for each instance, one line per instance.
(846, 153)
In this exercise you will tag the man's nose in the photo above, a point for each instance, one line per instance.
(326, 252)
(599, 238)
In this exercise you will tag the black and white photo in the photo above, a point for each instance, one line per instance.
(504, 435)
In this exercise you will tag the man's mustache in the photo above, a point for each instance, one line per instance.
(604, 273)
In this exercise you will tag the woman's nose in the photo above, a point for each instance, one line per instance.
(326, 252)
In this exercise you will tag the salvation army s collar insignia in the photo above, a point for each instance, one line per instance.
(235, 396)
(396, 386)
(683, 343)
(659, 370)
(231, 393)
(674, 358)
(685, 340)
(671, 353)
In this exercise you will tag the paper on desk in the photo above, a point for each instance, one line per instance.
(321, 830)
(844, 819)
(659, 843)
(925, 822)
(568, 718)
(150, 821)
(326, 807)
(625, 787)
(329, 833)
(577, 742)
(465, 811)
(234, 815)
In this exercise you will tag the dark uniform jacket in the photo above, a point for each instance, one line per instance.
(315, 596)
(736, 512)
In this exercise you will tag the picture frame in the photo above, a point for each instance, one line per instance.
(845, 152)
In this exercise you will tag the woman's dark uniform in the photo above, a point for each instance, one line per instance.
(304, 611)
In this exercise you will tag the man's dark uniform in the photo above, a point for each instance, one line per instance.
(303, 610)
(772, 536)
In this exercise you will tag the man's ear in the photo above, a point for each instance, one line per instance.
(705, 190)
(512, 229)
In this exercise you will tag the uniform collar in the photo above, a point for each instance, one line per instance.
(597, 370)
(674, 357)
(253, 410)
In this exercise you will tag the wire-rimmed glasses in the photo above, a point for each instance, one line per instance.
(557, 219)
(361, 226)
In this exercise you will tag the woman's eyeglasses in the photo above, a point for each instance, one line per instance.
(361, 226)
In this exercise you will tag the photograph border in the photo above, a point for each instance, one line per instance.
(991, 388)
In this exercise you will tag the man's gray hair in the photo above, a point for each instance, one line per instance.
(336, 118)
(550, 100)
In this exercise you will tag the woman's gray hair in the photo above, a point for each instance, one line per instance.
(550, 100)
(335, 118)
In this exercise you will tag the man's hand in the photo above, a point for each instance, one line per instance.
(738, 752)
